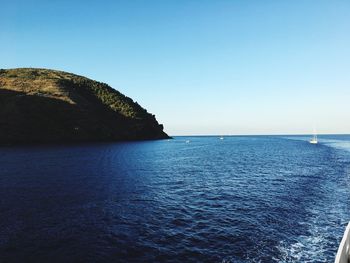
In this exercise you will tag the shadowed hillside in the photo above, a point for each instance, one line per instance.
(41, 105)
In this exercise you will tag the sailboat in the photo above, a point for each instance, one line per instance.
(314, 138)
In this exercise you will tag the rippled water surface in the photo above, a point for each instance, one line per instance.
(190, 199)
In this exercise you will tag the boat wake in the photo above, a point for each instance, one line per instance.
(328, 215)
(338, 144)
(311, 247)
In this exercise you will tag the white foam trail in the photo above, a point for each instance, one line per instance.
(307, 248)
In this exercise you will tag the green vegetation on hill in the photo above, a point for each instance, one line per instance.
(42, 105)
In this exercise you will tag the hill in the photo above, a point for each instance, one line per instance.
(42, 105)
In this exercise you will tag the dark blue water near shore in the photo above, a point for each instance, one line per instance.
(241, 199)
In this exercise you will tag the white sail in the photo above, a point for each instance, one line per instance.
(314, 138)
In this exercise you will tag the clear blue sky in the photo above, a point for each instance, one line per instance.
(202, 67)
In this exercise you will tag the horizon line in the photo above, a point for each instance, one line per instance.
(232, 135)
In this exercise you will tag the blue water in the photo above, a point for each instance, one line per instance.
(241, 199)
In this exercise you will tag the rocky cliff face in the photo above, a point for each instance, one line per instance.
(41, 105)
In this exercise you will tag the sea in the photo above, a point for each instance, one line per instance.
(188, 199)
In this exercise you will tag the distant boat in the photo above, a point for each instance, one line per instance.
(314, 139)
(221, 138)
(188, 141)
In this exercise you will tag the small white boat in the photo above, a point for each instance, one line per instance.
(344, 248)
(314, 139)
(221, 138)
